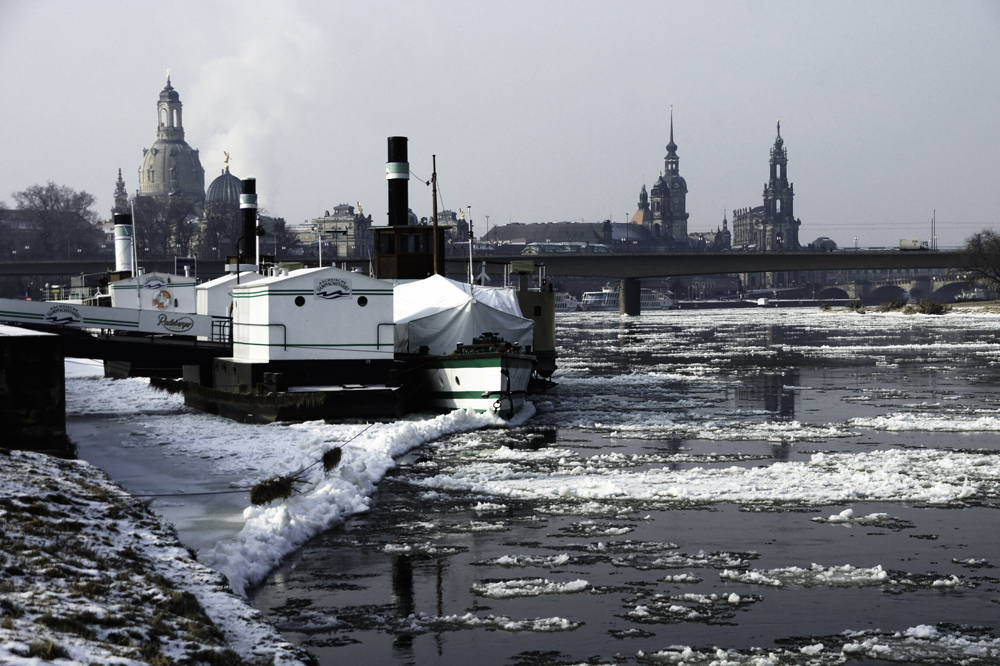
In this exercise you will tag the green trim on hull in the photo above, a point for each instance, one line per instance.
(477, 361)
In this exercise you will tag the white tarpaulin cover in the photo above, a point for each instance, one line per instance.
(438, 313)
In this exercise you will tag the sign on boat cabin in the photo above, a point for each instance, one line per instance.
(313, 314)
(160, 292)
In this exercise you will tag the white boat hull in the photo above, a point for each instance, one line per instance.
(490, 382)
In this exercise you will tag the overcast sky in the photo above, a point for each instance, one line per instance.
(537, 111)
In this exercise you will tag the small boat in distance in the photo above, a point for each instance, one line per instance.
(607, 300)
(566, 302)
(968, 294)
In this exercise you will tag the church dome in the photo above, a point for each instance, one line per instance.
(171, 167)
(224, 190)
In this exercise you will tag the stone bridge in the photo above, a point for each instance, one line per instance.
(937, 287)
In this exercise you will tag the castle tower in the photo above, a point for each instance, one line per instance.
(171, 168)
(668, 197)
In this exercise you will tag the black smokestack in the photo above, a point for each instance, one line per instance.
(397, 172)
(248, 211)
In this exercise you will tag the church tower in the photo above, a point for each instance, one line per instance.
(171, 168)
(781, 229)
(643, 216)
(121, 197)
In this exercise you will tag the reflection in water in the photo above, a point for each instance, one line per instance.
(402, 597)
(781, 451)
(769, 393)
(674, 446)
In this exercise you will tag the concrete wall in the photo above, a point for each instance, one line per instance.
(33, 391)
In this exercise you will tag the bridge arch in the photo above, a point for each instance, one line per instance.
(832, 293)
(948, 292)
(887, 292)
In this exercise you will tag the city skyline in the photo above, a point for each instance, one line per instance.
(536, 113)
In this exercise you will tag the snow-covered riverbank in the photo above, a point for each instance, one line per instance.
(91, 575)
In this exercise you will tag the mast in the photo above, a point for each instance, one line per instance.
(434, 198)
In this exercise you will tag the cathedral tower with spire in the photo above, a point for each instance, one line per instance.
(781, 230)
(772, 226)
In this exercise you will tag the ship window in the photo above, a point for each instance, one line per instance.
(412, 243)
(362, 301)
(386, 244)
(538, 310)
(299, 301)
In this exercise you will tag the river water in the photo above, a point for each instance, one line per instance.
(733, 486)
(767, 486)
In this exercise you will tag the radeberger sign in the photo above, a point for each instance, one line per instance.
(175, 324)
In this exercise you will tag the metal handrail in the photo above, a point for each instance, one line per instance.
(378, 336)
(284, 331)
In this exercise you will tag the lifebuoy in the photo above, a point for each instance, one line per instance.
(162, 299)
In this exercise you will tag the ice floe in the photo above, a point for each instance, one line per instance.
(841, 576)
(527, 587)
(932, 476)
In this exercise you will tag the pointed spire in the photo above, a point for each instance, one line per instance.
(778, 141)
(671, 147)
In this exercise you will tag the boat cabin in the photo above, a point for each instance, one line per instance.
(162, 292)
(407, 252)
(313, 314)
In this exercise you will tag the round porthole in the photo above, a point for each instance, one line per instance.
(362, 301)
(300, 301)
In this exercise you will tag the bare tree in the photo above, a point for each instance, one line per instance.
(62, 219)
(983, 260)
(223, 224)
(165, 227)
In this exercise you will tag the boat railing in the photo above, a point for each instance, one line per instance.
(284, 330)
(222, 330)
(71, 293)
